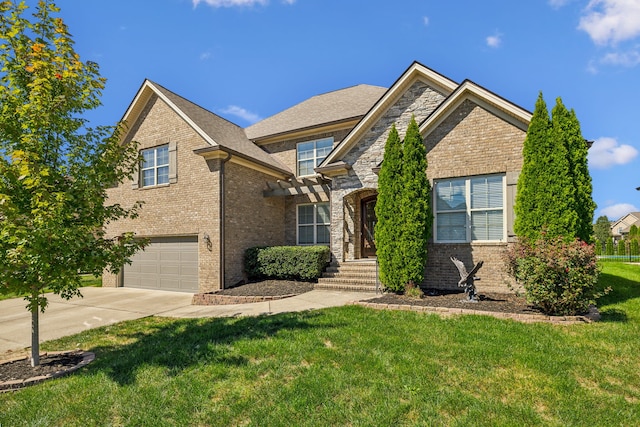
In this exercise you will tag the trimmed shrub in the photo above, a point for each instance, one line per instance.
(634, 247)
(559, 277)
(286, 262)
(621, 248)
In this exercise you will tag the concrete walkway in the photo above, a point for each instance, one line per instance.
(105, 306)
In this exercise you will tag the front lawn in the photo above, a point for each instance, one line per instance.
(85, 280)
(351, 366)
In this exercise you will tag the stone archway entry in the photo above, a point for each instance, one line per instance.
(368, 223)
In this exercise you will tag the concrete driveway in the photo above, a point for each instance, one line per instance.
(105, 306)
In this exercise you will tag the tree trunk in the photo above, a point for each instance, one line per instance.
(35, 335)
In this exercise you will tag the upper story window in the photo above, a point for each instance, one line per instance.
(154, 169)
(470, 209)
(311, 153)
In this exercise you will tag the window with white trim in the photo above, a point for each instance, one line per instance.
(154, 169)
(470, 209)
(314, 223)
(311, 153)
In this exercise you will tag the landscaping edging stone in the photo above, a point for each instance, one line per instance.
(6, 386)
(216, 299)
(592, 316)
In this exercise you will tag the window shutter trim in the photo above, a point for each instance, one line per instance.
(173, 163)
(135, 183)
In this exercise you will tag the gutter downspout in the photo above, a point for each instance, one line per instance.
(222, 219)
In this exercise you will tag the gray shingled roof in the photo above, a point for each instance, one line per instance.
(331, 107)
(223, 132)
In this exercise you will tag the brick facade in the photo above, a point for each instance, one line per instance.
(188, 207)
(471, 139)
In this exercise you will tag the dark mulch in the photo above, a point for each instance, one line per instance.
(495, 302)
(268, 288)
(49, 364)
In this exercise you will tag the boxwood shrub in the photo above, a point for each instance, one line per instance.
(286, 262)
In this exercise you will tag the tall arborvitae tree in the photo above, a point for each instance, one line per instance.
(388, 227)
(415, 206)
(609, 248)
(566, 130)
(545, 201)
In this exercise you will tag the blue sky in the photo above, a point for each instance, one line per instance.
(249, 59)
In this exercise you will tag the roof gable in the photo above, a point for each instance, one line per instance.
(416, 72)
(628, 220)
(495, 104)
(321, 110)
(215, 130)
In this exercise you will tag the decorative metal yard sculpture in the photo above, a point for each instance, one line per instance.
(466, 279)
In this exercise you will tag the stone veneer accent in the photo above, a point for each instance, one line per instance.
(419, 101)
(470, 141)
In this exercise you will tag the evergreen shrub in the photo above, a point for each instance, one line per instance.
(286, 262)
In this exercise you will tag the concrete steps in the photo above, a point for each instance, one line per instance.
(356, 276)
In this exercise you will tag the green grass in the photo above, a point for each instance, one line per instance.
(85, 280)
(351, 366)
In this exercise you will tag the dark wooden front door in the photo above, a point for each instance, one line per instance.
(368, 221)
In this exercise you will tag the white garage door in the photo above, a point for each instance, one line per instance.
(167, 263)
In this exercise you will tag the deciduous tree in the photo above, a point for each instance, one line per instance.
(54, 167)
(602, 228)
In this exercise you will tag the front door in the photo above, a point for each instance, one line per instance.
(368, 221)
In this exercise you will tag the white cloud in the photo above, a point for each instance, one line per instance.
(606, 152)
(630, 58)
(611, 21)
(425, 20)
(232, 3)
(205, 55)
(615, 212)
(288, 1)
(494, 41)
(558, 3)
(244, 114)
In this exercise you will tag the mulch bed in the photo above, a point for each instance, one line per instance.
(268, 288)
(494, 302)
(18, 373)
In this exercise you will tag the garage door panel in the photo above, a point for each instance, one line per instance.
(167, 264)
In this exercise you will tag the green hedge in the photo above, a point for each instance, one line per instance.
(286, 262)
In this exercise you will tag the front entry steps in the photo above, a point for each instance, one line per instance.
(356, 276)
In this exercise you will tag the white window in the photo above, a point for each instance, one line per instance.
(470, 209)
(311, 153)
(313, 224)
(155, 166)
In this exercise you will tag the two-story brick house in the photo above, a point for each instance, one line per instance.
(308, 175)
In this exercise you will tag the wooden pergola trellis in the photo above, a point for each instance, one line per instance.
(296, 186)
